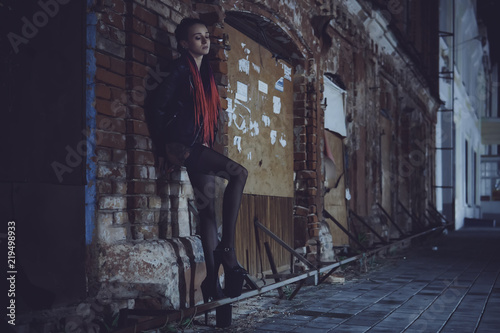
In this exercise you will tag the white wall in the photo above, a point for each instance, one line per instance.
(467, 102)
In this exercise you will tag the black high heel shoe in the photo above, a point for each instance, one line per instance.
(212, 292)
(234, 276)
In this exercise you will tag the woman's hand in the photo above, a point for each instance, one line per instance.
(163, 167)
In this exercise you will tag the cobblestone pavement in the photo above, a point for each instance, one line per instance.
(448, 284)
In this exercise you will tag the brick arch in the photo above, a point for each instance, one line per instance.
(266, 32)
(273, 18)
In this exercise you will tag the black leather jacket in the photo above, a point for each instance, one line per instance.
(170, 108)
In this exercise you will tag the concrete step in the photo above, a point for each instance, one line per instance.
(486, 223)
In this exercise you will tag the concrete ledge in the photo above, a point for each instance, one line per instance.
(166, 271)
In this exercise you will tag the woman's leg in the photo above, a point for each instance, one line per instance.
(207, 161)
(204, 186)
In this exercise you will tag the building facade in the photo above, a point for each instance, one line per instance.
(330, 105)
(273, 63)
(465, 78)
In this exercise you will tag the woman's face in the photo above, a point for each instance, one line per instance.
(198, 41)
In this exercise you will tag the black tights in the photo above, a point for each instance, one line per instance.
(203, 165)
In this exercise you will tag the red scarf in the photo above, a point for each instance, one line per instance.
(206, 103)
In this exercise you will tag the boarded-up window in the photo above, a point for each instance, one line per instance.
(260, 110)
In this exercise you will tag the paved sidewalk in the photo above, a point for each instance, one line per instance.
(449, 284)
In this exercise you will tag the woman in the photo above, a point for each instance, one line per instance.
(184, 110)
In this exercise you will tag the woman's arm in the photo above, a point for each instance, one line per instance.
(160, 106)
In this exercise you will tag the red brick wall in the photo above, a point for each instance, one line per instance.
(135, 43)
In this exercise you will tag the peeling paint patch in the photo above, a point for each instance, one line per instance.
(241, 91)
(246, 107)
(276, 105)
(255, 68)
(230, 117)
(237, 143)
(244, 66)
(230, 112)
(273, 137)
(283, 140)
(230, 107)
(262, 87)
(243, 45)
(279, 85)
(243, 126)
(266, 120)
(254, 128)
(249, 155)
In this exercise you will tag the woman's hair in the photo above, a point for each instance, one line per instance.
(205, 93)
(182, 30)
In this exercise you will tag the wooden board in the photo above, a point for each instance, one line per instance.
(335, 199)
(260, 112)
(276, 214)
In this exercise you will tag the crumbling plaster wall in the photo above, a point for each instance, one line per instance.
(378, 74)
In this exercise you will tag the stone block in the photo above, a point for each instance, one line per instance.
(180, 223)
(142, 42)
(153, 268)
(209, 13)
(144, 231)
(137, 202)
(138, 172)
(110, 171)
(104, 187)
(163, 189)
(154, 202)
(107, 45)
(159, 8)
(135, 141)
(120, 218)
(104, 219)
(181, 189)
(137, 127)
(111, 140)
(111, 234)
(151, 172)
(110, 124)
(183, 202)
(180, 175)
(301, 211)
(142, 216)
(103, 91)
(120, 156)
(141, 187)
(110, 78)
(165, 203)
(119, 187)
(167, 25)
(141, 157)
(145, 15)
(103, 154)
(112, 202)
